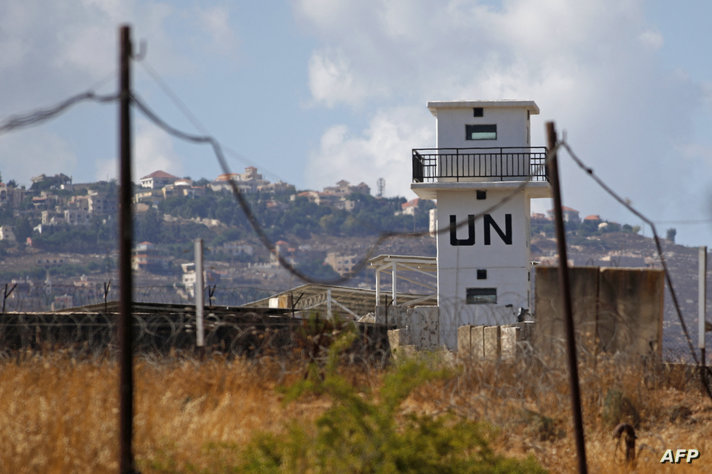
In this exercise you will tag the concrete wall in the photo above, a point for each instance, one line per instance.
(493, 342)
(615, 310)
(550, 329)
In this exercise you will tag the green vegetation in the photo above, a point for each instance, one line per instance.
(582, 229)
(96, 237)
(365, 431)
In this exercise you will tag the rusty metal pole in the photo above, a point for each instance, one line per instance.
(565, 288)
(124, 327)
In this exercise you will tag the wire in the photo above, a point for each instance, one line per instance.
(261, 234)
(173, 96)
(686, 222)
(42, 115)
(658, 246)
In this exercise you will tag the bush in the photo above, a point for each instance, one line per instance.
(369, 432)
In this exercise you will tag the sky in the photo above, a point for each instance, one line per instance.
(315, 91)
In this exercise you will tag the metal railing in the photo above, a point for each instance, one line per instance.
(431, 165)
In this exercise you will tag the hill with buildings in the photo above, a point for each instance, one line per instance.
(60, 237)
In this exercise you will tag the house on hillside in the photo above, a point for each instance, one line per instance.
(282, 250)
(6, 233)
(145, 256)
(342, 264)
(11, 195)
(58, 181)
(248, 182)
(157, 180)
(408, 208)
(343, 189)
(570, 215)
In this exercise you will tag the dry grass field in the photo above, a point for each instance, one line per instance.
(59, 414)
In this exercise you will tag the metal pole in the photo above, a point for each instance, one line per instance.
(394, 277)
(702, 308)
(126, 461)
(564, 283)
(329, 315)
(199, 303)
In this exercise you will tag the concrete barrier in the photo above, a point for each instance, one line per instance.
(492, 342)
(616, 310)
(477, 338)
(509, 337)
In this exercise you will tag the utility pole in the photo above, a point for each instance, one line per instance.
(124, 327)
(199, 301)
(565, 288)
(702, 311)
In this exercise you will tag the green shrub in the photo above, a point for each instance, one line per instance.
(365, 431)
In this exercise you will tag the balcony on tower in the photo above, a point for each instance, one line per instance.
(483, 143)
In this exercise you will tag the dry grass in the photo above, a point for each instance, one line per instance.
(60, 414)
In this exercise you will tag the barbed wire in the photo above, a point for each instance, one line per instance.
(246, 334)
(24, 296)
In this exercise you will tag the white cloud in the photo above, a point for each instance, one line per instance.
(33, 152)
(331, 80)
(215, 22)
(153, 150)
(652, 39)
(582, 62)
(381, 151)
(106, 169)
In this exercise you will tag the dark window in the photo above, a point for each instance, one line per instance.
(481, 296)
(480, 132)
(481, 195)
(478, 112)
(481, 274)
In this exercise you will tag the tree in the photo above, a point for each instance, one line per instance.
(23, 229)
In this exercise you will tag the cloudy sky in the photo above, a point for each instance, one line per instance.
(314, 91)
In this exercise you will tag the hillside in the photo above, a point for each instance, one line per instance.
(59, 239)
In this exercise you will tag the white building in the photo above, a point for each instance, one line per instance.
(6, 233)
(157, 180)
(482, 173)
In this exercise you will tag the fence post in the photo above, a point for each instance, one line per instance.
(702, 311)
(553, 165)
(199, 303)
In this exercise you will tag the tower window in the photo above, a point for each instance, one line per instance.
(481, 274)
(481, 195)
(478, 112)
(481, 132)
(481, 296)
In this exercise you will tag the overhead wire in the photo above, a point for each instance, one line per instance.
(44, 114)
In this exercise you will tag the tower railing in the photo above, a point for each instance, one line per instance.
(431, 165)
